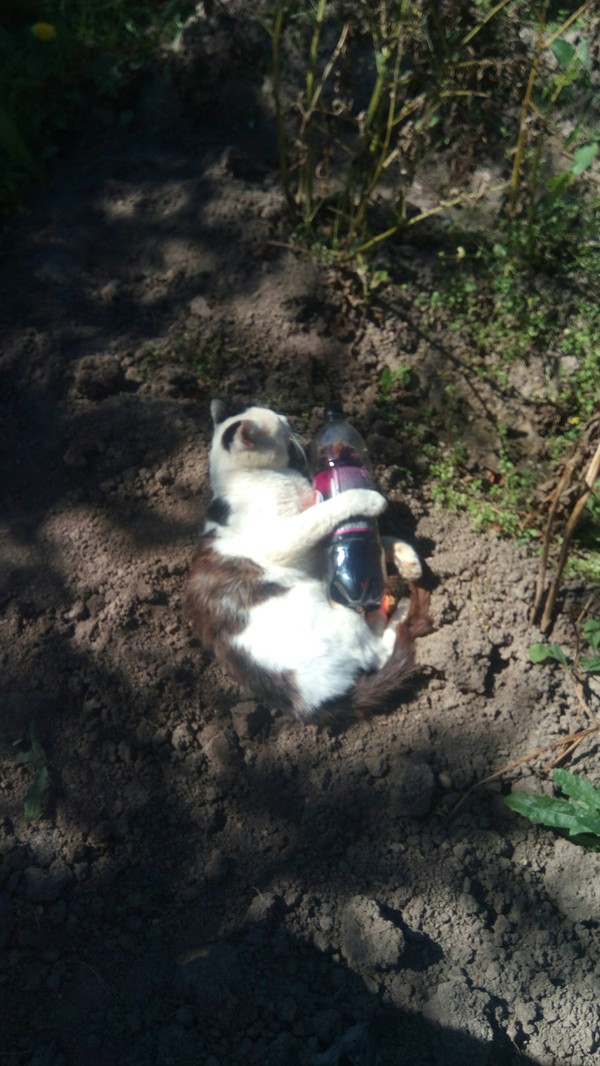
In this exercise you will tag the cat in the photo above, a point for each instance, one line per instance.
(254, 593)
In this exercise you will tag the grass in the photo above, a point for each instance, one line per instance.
(507, 315)
(499, 504)
(365, 94)
(364, 97)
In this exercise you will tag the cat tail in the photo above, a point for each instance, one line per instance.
(379, 692)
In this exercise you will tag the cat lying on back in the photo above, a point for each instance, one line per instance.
(255, 596)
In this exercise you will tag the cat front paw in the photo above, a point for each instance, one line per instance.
(365, 502)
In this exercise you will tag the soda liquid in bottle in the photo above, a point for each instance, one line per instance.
(354, 563)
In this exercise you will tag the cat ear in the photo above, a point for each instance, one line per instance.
(218, 411)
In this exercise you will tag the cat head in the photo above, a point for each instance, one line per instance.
(255, 439)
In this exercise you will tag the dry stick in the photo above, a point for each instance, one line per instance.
(384, 150)
(563, 484)
(561, 29)
(590, 478)
(572, 739)
(484, 22)
(281, 137)
(566, 753)
(578, 686)
(306, 178)
(463, 198)
(525, 108)
(307, 115)
(527, 105)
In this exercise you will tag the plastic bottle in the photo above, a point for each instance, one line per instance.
(354, 565)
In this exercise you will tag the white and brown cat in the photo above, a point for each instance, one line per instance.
(255, 596)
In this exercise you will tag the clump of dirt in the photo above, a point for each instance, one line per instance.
(208, 882)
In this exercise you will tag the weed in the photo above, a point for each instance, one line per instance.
(498, 504)
(389, 377)
(590, 664)
(362, 93)
(30, 754)
(579, 814)
(365, 94)
(202, 356)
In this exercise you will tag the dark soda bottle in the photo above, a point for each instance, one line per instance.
(354, 565)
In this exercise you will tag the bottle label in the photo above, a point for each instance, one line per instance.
(336, 479)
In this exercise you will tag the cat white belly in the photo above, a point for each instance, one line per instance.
(324, 647)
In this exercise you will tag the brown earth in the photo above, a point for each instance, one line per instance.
(208, 882)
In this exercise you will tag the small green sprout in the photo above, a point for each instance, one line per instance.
(33, 757)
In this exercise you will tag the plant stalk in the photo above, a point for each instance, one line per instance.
(305, 185)
(282, 147)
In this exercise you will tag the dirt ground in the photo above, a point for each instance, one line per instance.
(209, 883)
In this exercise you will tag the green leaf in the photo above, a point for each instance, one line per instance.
(585, 822)
(541, 653)
(35, 795)
(579, 814)
(577, 787)
(583, 157)
(563, 52)
(543, 810)
(386, 379)
(592, 665)
(591, 632)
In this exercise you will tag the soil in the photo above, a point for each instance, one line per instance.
(209, 882)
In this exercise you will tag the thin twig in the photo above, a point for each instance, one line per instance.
(471, 34)
(282, 147)
(523, 115)
(572, 18)
(556, 497)
(578, 508)
(305, 189)
(337, 51)
(573, 739)
(464, 198)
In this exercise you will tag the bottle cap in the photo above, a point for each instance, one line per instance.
(334, 412)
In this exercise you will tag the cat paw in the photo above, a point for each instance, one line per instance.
(406, 561)
(363, 502)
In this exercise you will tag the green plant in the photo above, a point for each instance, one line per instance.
(499, 504)
(510, 321)
(590, 664)
(362, 93)
(365, 93)
(389, 377)
(535, 188)
(578, 814)
(31, 754)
